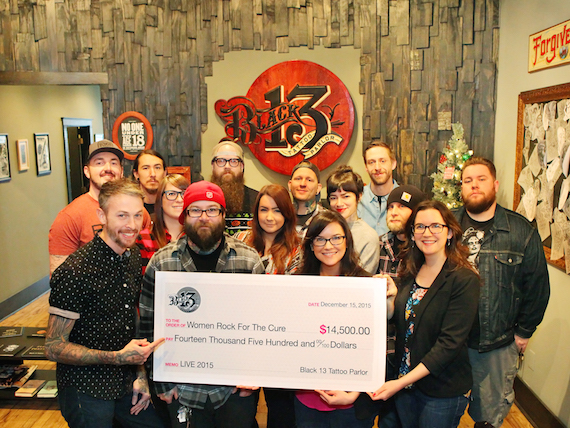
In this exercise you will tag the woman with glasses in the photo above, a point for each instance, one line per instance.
(434, 312)
(344, 190)
(328, 250)
(167, 208)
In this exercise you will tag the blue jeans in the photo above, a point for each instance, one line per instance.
(340, 418)
(493, 378)
(417, 410)
(84, 411)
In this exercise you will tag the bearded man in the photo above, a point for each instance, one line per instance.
(204, 248)
(78, 223)
(380, 162)
(227, 172)
(514, 292)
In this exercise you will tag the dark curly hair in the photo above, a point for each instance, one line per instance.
(349, 264)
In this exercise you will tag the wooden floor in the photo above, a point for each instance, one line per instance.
(45, 414)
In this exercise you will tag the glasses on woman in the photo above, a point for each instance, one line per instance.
(434, 228)
(197, 212)
(336, 240)
(221, 162)
(172, 195)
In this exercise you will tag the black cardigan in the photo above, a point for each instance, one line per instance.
(443, 320)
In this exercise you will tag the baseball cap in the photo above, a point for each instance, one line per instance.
(406, 195)
(310, 165)
(105, 146)
(202, 191)
(217, 153)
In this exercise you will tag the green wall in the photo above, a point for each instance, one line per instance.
(28, 203)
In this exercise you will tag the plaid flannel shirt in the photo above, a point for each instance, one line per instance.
(388, 261)
(235, 257)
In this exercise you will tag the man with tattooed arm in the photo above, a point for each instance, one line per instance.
(93, 318)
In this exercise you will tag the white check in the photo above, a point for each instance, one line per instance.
(301, 332)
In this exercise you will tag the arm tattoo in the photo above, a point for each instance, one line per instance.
(58, 347)
(55, 261)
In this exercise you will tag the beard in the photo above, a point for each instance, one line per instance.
(205, 239)
(396, 227)
(380, 181)
(122, 243)
(152, 191)
(481, 205)
(233, 188)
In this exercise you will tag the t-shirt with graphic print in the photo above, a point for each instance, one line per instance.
(473, 233)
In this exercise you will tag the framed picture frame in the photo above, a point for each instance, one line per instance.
(5, 174)
(23, 155)
(43, 155)
(542, 168)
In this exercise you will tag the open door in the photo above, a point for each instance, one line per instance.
(77, 137)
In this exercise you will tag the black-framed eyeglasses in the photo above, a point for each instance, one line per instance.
(197, 212)
(434, 228)
(172, 195)
(221, 162)
(336, 240)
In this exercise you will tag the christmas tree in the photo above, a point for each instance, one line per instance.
(447, 179)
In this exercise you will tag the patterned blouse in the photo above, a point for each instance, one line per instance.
(417, 293)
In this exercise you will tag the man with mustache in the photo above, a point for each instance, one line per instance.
(93, 319)
(149, 168)
(78, 223)
(515, 290)
(204, 248)
(401, 202)
(227, 172)
(380, 162)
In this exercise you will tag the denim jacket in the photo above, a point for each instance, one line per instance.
(516, 288)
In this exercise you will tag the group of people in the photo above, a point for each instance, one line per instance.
(460, 316)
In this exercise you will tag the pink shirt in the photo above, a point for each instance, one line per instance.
(313, 400)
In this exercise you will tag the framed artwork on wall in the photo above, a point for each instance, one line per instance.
(542, 168)
(23, 155)
(4, 158)
(43, 161)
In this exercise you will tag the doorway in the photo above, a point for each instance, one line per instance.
(77, 137)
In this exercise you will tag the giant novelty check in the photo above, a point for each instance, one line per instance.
(302, 332)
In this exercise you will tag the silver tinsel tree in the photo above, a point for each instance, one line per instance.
(447, 179)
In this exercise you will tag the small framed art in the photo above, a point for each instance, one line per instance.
(4, 158)
(43, 161)
(23, 155)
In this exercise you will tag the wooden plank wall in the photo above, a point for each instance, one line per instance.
(424, 63)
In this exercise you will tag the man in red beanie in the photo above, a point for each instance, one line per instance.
(204, 248)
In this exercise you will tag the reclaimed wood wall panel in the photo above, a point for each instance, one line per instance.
(424, 63)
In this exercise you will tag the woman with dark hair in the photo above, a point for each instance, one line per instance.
(344, 190)
(328, 250)
(167, 208)
(274, 237)
(434, 312)
(273, 232)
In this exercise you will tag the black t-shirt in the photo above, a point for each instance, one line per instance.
(473, 235)
(302, 218)
(207, 262)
